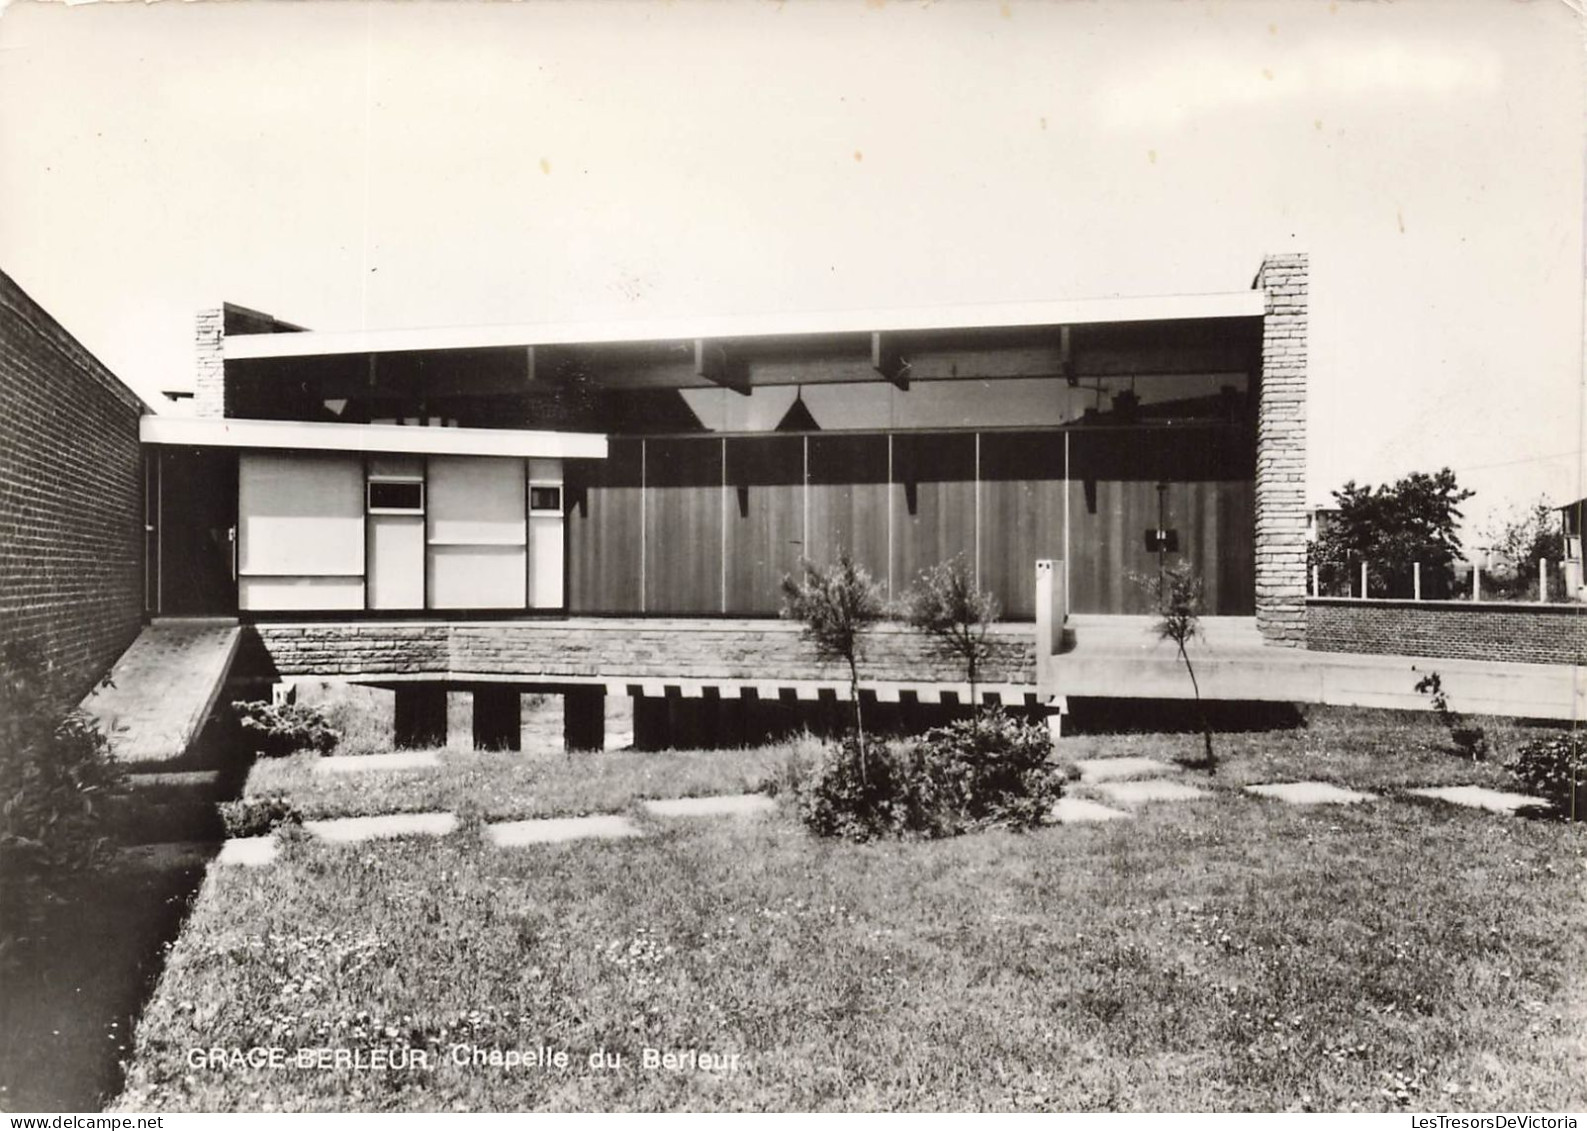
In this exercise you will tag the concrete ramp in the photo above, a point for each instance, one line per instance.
(164, 687)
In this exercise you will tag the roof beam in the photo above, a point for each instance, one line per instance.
(887, 361)
(711, 361)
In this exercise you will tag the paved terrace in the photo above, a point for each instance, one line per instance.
(1105, 656)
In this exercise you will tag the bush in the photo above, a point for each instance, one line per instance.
(258, 816)
(954, 779)
(276, 732)
(1556, 767)
(57, 779)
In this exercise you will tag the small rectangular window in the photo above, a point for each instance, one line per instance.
(545, 499)
(396, 496)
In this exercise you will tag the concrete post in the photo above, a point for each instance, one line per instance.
(584, 718)
(498, 718)
(1316, 581)
(1416, 580)
(1363, 580)
(1050, 616)
(420, 716)
(1542, 580)
(1476, 582)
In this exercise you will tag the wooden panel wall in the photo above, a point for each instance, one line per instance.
(723, 520)
(933, 506)
(1022, 511)
(683, 525)
(847, 500)
(765, 520)
(604, 530)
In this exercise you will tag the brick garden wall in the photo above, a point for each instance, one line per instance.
(1526, 633)
(71, 497)
(617, 649)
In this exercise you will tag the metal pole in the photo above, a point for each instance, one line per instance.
(1416, 579)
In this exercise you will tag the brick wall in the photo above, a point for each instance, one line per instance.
(617, 649)
(71, 497)
(1527, 633)
(1281, 454)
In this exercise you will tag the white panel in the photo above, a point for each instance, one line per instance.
(396, 561)
(545, 471)
(477, 502)
(301, 515)
(545, 565)
(476, 577)
(396, 467)
(266, 593)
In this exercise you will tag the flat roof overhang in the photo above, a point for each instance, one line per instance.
(385, 438)
(985, 316)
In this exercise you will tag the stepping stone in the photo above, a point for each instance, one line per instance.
(1475, 796)
(1117, 769)
(739, 804)
(353, 829)
(1310, 793)
(248, 851)
(554, 830)
(360, 763)
(1135, 792)
(1079, 811)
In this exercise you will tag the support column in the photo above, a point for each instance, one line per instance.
(651, 730)
(498, 718)
(1281, 454)
(584, 719)
(420, 716)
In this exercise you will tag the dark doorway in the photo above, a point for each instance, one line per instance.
(196, 514)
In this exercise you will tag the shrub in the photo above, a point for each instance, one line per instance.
(276, 732)
(258, 816)
(968, 775)
(57, 779)
(1556, 767)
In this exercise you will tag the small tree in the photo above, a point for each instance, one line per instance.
(837, 603)
(1521, 541)
(1176, 594)
(945, 603)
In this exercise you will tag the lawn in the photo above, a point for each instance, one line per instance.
(1226, 953)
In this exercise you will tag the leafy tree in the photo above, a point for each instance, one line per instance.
(837, 603)
(1392, 527)
(1177, 596)
(1522, 540)
(945, 603)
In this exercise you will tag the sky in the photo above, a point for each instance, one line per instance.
(366, 163)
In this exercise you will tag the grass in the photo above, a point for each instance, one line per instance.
(514, 786)
(1224, 954)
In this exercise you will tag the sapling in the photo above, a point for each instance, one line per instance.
(945, 603)
(837, 604)
(1176, 592)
